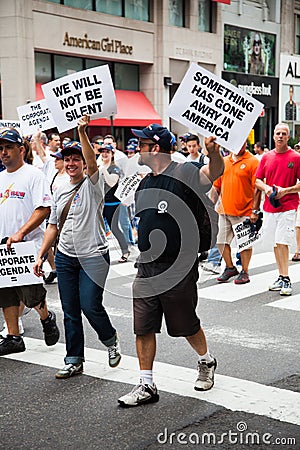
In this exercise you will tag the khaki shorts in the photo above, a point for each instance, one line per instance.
(31, 296)
(226, 234)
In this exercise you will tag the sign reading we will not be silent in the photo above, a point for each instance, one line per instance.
(213, 107)
(89, 92)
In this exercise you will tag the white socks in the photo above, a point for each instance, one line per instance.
(146, 377)
(207, 357)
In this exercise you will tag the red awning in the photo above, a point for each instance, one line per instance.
(134, 110)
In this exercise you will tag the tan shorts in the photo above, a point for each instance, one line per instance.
(226, 234)
(31, 295)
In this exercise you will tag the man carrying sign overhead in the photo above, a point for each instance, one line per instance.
(24, 205)
(168, 239)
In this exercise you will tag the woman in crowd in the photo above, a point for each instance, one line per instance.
(111, 210)
(82, 258)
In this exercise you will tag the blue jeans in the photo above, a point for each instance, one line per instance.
(214, 256)
(81, 284)
(125, 224)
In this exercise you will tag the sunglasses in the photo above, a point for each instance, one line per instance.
(256, 42)
(99, 142)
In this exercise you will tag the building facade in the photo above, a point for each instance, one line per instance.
(148, 45)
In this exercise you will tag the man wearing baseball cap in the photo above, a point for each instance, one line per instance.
(25, 203)
(166, 282)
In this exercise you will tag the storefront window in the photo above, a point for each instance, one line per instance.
(110, 7)
(82, 4)
(65, 65)
(126, 76)
(43, 68)
(89, 63)
(176, 13)
(137, 9)
(204, 15)
(49, 67)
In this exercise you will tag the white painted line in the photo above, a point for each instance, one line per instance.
(229, 292)
(231, 393)
(292, 303)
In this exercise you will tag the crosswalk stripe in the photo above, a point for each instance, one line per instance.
(292, 303)
(232, 393)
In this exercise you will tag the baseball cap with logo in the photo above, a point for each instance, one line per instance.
(131, 148)
(71, 147)
(57, 155)
(157, 133)
(11, 136)
(108, 147)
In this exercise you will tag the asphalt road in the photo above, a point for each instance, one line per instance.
(255, 403)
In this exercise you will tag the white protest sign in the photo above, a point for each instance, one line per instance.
(35, 116)
(245, 238)
(127, 187)
(10, 124)
(213, 107)
(90, 92)
(16, 265)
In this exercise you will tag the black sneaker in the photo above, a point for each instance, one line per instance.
(50, 278)
(114, 353)
(69, 370)
(50, 329)
(228, 273)
(11, 344)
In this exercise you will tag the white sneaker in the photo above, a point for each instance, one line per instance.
(140, 394)
(206, 375)
(286, 288)
(210, 267)
(4, 332)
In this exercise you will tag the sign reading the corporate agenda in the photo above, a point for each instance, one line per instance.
(213, 107)
(16, 265)
(35, 117)
(89, 92)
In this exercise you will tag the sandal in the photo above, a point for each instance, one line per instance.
(296, 257)
(124, 258)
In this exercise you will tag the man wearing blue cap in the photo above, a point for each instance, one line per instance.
(24, 205)
(277, 175)
(166, 282)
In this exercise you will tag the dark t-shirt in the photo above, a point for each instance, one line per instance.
(110, 191)
(167, 225)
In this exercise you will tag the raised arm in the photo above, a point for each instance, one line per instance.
(87, 150)
(215, 168)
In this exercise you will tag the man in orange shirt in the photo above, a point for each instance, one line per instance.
(239, 200)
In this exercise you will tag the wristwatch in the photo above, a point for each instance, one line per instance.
(256, 211)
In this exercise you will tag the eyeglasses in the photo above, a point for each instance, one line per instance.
(99, 142)
(141, 144)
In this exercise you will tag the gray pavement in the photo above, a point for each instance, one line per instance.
(253, 338)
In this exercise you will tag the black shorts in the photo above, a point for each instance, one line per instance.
(177, 303)
(31, 295)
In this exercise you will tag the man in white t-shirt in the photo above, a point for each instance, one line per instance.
(24, 204)
(194, 148)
